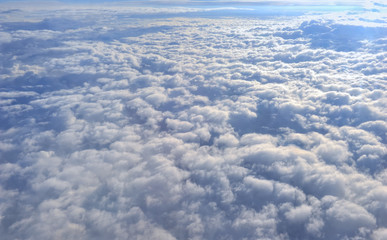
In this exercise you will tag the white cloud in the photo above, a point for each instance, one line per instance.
(380, 234)
(299, 214)
(346, 217)
(161, 123)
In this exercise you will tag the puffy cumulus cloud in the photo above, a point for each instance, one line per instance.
(169, 126)
(380, 234)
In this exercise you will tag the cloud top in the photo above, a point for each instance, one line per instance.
(156, 123)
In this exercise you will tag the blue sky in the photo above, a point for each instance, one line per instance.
(281, 2)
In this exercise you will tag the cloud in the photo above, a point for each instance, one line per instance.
(299, 214)
(379, 234)
(174, 124)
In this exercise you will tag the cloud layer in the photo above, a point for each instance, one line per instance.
(134, 125)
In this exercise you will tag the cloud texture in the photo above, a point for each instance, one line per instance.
(140, 126)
